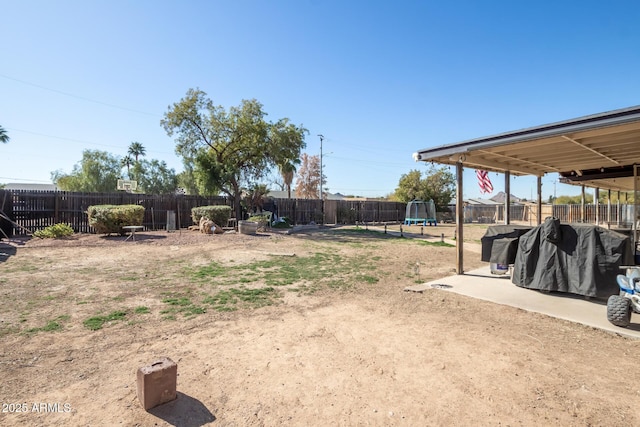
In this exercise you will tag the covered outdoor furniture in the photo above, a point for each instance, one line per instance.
(500, 243)
(574, 258)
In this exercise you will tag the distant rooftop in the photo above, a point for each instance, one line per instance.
(31, 187)
(498, 199)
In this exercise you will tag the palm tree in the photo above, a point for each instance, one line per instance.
(127, 162)
(4, 138)
(288, 170)
(136, 149)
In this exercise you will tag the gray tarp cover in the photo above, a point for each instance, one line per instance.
(576, 258)
(500, 243)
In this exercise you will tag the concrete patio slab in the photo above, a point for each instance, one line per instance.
(483, 285)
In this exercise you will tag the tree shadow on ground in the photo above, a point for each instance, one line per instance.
(184, 411)
(139, 237)
(347, 235)
(6, 251)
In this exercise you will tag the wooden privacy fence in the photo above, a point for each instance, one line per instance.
(357, 211)
(35, 210)
(303, 211)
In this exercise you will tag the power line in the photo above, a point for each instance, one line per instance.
(80, 141)
(71, 95)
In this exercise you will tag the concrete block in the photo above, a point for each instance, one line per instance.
(157, 382)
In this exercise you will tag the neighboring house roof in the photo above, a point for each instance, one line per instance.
(501, 196)
(31, 187)
(480, 201)
(281, 194)
(331, 196)
(498, 199)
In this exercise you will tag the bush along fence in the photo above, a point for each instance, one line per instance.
(36, 210)
(30, 211)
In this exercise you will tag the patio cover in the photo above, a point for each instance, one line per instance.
(599, 150)
(596, 151)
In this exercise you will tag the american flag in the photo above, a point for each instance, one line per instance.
(484, 182)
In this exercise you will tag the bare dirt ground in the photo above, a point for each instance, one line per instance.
(329, 339)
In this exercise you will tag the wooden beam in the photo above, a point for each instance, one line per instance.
(459, 221)
(608, 131)
(596, 197)
(539, 207)
(478, 162)
(537, 165)
(507, 197)
(583, 207)
(618, 210)
(590, 149)
(609, 209)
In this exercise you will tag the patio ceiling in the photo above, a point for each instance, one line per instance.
(596, 151)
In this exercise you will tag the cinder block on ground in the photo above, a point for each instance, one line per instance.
(157, 382)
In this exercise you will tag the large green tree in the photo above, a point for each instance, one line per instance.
(438, 184)
(155, 177)
(4, 137)
(187, 181)
(230, 150)
(98, 171)
(575, 200)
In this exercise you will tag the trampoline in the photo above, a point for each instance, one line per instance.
(420, 212)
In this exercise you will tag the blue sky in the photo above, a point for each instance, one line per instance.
(378, 79)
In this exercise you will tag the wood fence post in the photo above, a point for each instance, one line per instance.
(56, 213)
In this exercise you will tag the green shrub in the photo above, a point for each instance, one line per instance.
(219, 214)
(109, 219)
(281, 224)
(54, 231)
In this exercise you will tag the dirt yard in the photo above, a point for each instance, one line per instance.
(304, 329)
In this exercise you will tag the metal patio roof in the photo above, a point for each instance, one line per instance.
(597, 150)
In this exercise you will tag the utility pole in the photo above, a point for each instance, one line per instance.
(321, 198)
(321, 138)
